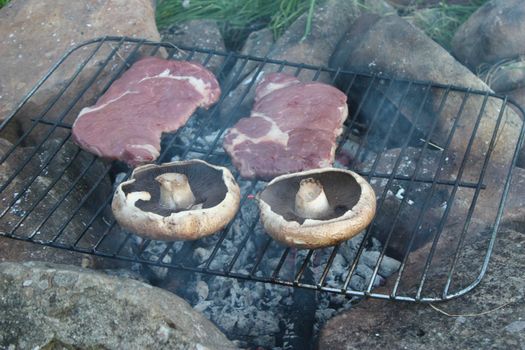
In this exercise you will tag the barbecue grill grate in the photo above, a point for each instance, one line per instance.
(54, 194)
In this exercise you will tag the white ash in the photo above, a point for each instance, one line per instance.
(399, 193)
(255, 313)
(152, 252)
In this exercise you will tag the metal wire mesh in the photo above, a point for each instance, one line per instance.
(54, 194)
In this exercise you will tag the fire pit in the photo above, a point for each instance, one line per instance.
(425, 195)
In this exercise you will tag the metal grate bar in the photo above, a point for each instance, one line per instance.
(373, 174)
(328, 266)
(519, 146)
(225, 231)
(279, 266)
(476, 195)
(143, 246)
(77, 208)
(162, 255)
(52, 123)
(454, 190)
(365, 137)
(49, 106)
(122, 245)
(47, 189)
(357, 112)
(404, 199)
(466, 184)
(414, 175)
(303, 266)
(95, 216)
(369, 98)
(215, 109)
(34, 152)
(260, 257)
(62, 116)
(50, 213)
(242, 245)
(213, 144)
(109, 197)
(438, 172)
(353, 267)
(395, 168)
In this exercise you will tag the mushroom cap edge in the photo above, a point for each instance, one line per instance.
(320, 233)
(183, 225)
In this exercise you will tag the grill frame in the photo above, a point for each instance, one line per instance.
(228, 271)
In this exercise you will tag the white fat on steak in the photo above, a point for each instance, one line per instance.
(198, 84)
(293, 126)
(153, 96)
(275, 134)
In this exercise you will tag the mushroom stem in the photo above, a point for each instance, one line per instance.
(310, 200)
(175, 191)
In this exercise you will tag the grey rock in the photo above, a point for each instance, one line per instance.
(28, 211)
(515, 327)
(329, 22)
(499, 301)
(258, 43)
(84, 309)
(66, 280)
(203, 34)
(493, 33)
(390, 46)
(34, 39)
(506, 76)
(518, 96)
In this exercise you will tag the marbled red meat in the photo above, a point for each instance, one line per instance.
(293, 127)
(153, 96)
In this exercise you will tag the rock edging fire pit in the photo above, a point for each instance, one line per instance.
(409, 179)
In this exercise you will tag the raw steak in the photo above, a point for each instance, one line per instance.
(293, 127)
(153, 96)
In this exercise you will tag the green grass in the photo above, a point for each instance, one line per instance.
(241, 16)
(441, 21)
(235, 15)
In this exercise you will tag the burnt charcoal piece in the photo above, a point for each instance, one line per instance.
(293, 127)
(153, 96)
